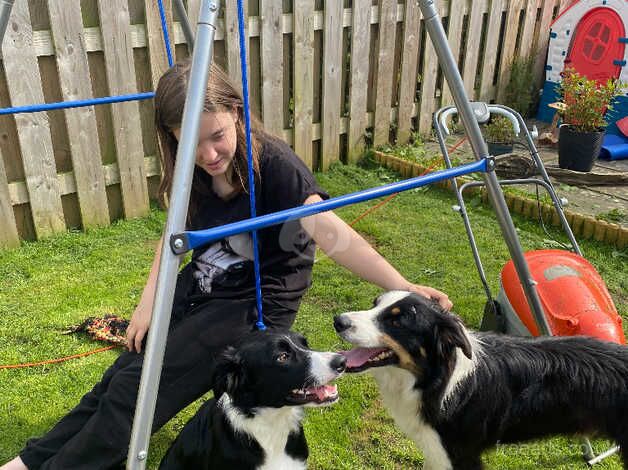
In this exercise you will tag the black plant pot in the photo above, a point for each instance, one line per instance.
(497, 148)
(578, 150)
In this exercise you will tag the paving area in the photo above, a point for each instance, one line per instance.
(608, 202)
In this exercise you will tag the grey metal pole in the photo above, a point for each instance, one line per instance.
(5, 13)
(185, 23)
(169, 263)
(456, 85)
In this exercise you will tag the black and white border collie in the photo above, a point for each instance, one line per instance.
(456, 392)
(255, 422)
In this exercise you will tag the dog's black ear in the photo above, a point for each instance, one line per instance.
(228, 373)
(450, 334)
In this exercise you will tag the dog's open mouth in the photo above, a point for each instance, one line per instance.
(359, 359)
(321, 395)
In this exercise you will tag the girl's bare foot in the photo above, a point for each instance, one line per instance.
(15, 464)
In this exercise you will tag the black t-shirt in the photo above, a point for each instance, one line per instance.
(224, 269)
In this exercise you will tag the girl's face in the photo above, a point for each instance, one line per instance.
(216, 142)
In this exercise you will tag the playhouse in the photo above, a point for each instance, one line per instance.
(589, 36)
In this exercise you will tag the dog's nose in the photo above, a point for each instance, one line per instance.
(341, 323)
(338, 363)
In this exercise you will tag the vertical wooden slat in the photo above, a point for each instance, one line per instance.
(360, 41)
(527, 36)
(508, 47)
(474, 35)
(303, 78)
(73, 68)
(232, 40)
(272, 65)
(155, 38)
(457, 10)
(409, 70)
(490, 51)
(9, 237)
(24, 85)
(332, 73)
(193, 8)
(119, 65)
(543, 42)
(428, 83)
(384, 79)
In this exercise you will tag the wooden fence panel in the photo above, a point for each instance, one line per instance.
(24, 84)
(316, 28)
(428, 83)
(115, 27)
(272, 65)
(155, 38)
(490, 51)
(457, 11)
(472, 54)
(508, 46)
(527, 35)
(332, 78)
(232, 38)
(360, 42)
(384, 76)
(304, 79)
(9, 237)
(409, 70)
(73, 69)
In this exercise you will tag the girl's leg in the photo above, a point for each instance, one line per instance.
(103, 440)
(38, 450)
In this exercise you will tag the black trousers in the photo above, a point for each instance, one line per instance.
(96, 433)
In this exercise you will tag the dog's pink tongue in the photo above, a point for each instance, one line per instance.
(359, 356)
(325, 392)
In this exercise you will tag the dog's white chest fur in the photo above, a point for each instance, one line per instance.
(403, 402)
(270, 427)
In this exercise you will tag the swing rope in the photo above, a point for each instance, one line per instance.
(249, 153)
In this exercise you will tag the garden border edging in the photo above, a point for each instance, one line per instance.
(583, 226)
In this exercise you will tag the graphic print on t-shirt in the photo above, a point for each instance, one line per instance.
(226, 263)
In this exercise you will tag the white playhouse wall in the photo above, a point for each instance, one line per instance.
(564, 27)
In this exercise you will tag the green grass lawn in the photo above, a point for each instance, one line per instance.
(48, 285)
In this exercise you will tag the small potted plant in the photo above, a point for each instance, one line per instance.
(499, 135)
(582, 106)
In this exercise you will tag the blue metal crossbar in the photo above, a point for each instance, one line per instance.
(34, 108)
(182, 242)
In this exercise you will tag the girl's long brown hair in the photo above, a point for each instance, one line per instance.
(221, 96)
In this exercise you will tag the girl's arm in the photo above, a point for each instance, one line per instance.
(347, 248)
(140, 320)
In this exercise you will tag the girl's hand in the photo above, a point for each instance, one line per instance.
(138, 326)
(431, 293)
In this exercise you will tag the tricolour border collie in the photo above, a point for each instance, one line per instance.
(255, 422)
(457, 393)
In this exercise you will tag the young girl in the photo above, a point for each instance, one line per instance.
(215, 295)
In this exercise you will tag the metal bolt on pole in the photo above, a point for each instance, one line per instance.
(169, 263)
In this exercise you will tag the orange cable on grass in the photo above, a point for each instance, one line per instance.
(392, 196)
(54, 361)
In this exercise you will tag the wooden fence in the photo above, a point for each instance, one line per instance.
(329, 76)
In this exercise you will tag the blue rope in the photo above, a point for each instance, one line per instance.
(164, 28)
(249, 152)
(33, 108)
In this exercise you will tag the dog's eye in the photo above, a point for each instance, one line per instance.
(396, 323)
(283, 357)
